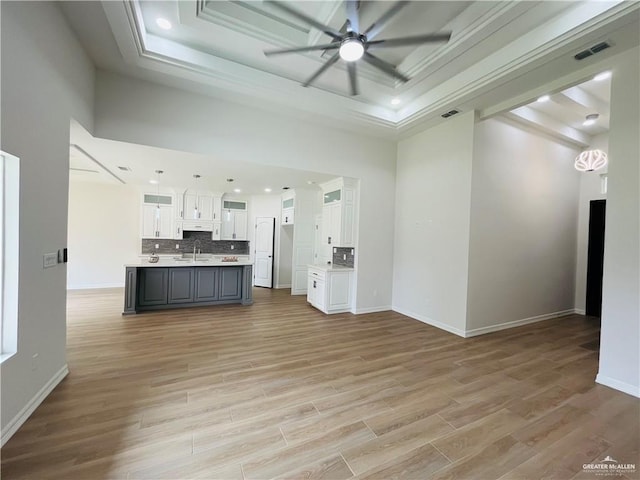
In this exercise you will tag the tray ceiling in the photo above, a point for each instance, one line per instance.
(216, 47)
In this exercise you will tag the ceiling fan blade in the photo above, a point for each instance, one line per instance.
(384, 66)
(328, 46)
(322, 69)
(353, 79)
(352, 15)
(377, 26)
(308, 20)
(416, 40)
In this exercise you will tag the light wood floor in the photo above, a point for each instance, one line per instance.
(280, 390)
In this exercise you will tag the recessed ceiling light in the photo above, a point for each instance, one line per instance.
(543, 98)
(590, 119)
(237, 190)
(163, 23)
(153, 182)
(602, 76)
(267, 190)
(395, 101)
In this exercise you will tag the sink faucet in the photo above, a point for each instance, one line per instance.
(196, 244)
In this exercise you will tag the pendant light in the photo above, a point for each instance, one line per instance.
(158, 173)
(590, 160)
(196, 213)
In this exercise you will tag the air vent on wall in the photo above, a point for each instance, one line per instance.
(449, 113)
(598, 47)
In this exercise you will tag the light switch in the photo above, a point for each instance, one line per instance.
(344, 256)
(50, 260)
(232, 247)
(157, 246)
(177, 246)
(335, 250)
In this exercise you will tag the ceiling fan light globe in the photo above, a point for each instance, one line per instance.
(351, 50)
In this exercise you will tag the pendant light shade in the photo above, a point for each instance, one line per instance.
(590, 160)
(196, 213)
(158, 173)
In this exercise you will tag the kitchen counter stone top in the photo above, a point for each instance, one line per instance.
(329, 267)
(187, 262)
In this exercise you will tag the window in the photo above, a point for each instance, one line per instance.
(9, 211)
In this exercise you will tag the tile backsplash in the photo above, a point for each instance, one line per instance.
(343, 256)
(216, 247)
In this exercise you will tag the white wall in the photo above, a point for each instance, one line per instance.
(141, 112)
(589, 190)
(433, 190)
(103, 233)
(46, 80)
(620, 335)
(524, 208)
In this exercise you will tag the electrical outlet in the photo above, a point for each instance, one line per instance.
(50, 260)
(352, 252)
(344, 256)
(232, 247)
(177, 246)
(157, 246)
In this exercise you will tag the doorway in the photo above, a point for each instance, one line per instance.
(595, 257)
(265, 231)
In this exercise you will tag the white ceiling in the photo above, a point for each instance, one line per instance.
(499, 50)
(98, 160)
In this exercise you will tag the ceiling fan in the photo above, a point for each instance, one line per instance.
(354, 43)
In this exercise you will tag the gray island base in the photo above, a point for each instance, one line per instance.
(176, 285)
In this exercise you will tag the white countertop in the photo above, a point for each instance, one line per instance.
(187, 262)
(329, 267)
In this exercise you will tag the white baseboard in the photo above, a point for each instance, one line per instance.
(618, 385)
(430, 321)
(284, 285)
(516, 323)
(579, 311)
(95, 286)
(22, 416)
(384, 308)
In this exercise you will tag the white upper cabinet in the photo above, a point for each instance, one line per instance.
(157, 216)
(198, 206)
(338, 214)
(288, 208)
(234, 220)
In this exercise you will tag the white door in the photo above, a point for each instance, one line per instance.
(264, 252)
(318, 257)
(205, 207)
(227, 225)
(240, 225)
(190, 203)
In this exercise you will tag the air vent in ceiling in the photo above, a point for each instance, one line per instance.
(450, 113)
(598, 47)
(124, 169)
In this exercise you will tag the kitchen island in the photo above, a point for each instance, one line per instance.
(180, 283)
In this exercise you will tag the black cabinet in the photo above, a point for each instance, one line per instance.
(181, 285)
(157, 288)
(206, 284)
(153, 286)
(230, 283)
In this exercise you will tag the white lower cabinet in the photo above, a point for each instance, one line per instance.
(329, 289)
